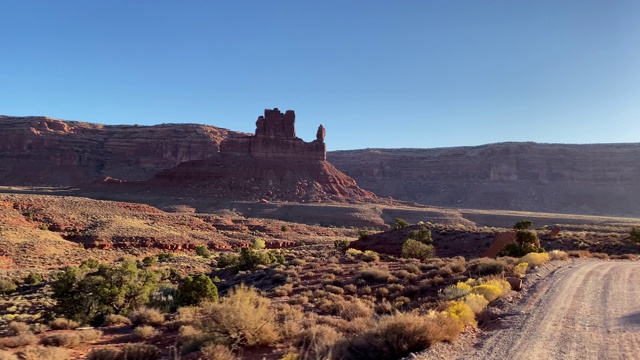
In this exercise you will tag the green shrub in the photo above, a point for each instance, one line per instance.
(195, 289)
(413, 249)
(259, 244)
(400, 224)
(33, 278)
(227, 260)
(90, 264)
(147, 316)
(486, 266)
(523, 224)
(150, 261)
(119, 288)
(341, 244)
(7, 286)
(370, 256)
(166, 256)
(423, 235)
(202, 250)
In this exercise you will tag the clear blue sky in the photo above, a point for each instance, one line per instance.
(375, 73)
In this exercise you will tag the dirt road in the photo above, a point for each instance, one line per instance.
(586, 310)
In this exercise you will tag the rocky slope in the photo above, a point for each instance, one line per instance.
(600, 179)
(44, 151)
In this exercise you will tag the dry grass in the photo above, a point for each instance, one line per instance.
(558, 255)
(317, 342)
(63, 324)
(217, 352)
(67, 340)
(17, 328)
(146, 332)
(147, 316)
(44, 352)
(113, 320)
(16, 341)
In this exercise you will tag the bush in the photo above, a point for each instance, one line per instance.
(66, 340)
(63, 324)
(394, 337)
(558, 255)
(317, 342)
(400, 224)
(43, 352)
(243, 318)
(147, 316)
(6, 355)
(456, 291)
(17, 328)
(486, 266)
(166, 256)
(202, 250)
(423, 235)
(535, 259)
(520, 270)
(146, 332)
(90, 264)
(476, 302)
(113, 319)
(119, 288)
(25, 339)
(105, 354)
(89, 334)
(490, 292)
(7, 286)
(259, 244)
(33, 278)
(523, 224)
(140, 352)
(370, 256)
(413, 249)
(194, 290)
(227, 260)
(462, 312)
(150, 260)
(218, 352)
(374, 275)
(341, 244)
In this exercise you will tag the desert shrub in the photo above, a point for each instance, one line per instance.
(89, 334)
(202, 250)
(355, 309)
(523, 224)
(423, 235)
(370, 256)
(601, 256)
(486, 266)
(396, 336)
(33, 278)
(242, 318)
(195, 289)
(191, 339)
(105, 354)
(67, 340)
(634, 234)
(113, 319)
(119, 288)
(259, 244)
(227, 260)
(146, 316)
(535, 259)
(250, 258)
(413, 249)
(363, 233)
(44, 352)
(341, 244)
(502, 284)
(164, 257)
(17, 328)
(334, 289)
(456, 291)
(520, 270)
(140, 352)
(374, 275)
(63, 324)
(490, 292)
(462, 312)
(476, 302)
(317, 342)
(217, 352)
(400, 224)
(146, 332)
(90, 264)
(558, 255)
(16, 341)
(7, 286)
(150, 260)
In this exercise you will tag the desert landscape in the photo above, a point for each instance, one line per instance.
(194, 242)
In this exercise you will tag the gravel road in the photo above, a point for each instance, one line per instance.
(586, 310)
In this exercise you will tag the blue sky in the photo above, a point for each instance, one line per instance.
(374, 73)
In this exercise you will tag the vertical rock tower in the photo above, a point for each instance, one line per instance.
(275, 137)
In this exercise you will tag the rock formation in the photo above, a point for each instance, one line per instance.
(597, 179)
(275, 137)
(273, 164)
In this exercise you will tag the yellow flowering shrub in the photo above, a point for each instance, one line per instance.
(462, 312)
(535, 259)
(476, 302)
(520, 270)
(490, 292)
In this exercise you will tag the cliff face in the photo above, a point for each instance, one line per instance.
(601, 179)
(45, 151)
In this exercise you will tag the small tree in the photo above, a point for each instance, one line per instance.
(259, 244)
(202, 250)
(523, 225)
(400, 224)
(195, 290)
(423, 235)
(414, 249)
